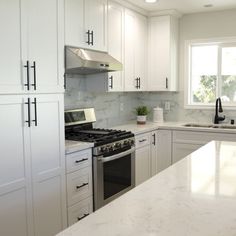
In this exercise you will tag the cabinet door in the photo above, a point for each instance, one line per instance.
(129, 61)
(75, 34)
(140, 41)
(159, 53)
(15, 199)
(96, 21)
(181, 150)
(11, 69)
(48, 165)
(142, 165)
(116, 44)
(46, 45)
(164, 149)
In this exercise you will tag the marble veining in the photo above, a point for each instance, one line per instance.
(194, 197)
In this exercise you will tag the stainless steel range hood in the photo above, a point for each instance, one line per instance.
(85, 61)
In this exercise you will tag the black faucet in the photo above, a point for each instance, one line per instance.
(217, 117)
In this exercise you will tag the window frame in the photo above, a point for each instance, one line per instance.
(221, 42)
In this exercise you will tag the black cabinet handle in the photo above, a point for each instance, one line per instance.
(79, 161)
(34, 67)
(154, 139)
(111, 82)
(88, 33)
(143, 140)
(137, 83)
(35, 112)
(82, 217)
(81, 186)
(166, 83)
(29, 118)
(28, 75)
(92, 38)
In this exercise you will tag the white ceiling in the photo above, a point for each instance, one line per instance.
(185, 6)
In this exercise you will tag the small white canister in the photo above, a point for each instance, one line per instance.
(158, 115)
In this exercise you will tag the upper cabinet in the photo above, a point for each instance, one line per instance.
(162, 53)
(31, 46)
(86, 24)
(116, 44)
(135, 51)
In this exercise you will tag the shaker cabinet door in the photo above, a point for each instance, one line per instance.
(46, 45)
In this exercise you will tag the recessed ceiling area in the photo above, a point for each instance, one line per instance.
(185, 6)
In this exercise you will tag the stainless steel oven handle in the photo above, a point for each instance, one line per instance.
(117, 156)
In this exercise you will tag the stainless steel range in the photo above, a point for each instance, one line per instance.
(113, 155)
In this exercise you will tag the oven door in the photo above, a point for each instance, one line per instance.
(113, 176)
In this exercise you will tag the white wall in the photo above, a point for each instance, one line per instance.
(195, 26)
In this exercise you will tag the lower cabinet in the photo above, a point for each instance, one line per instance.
(153, 154)
(32, 165)
(186, 142)
(79, 185)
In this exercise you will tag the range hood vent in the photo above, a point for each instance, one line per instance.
(85, 61)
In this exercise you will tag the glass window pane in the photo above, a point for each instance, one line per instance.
(204, 60)
(228, 71)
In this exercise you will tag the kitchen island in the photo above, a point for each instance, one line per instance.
(194, 197)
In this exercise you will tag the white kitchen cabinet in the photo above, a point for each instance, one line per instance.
(163, 149)
(116, 44)
(135, 51)
(142, 158)
(186, 142)
(30, 52)
(162, 53)
(86, 24)
(79, 185)
(32, 165)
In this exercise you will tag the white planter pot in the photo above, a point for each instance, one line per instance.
(141, 120)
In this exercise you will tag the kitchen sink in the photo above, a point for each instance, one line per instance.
(215, 126)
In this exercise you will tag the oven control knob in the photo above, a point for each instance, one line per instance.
(117, 145)
(126, 142)
(103, 149)
(131, 142)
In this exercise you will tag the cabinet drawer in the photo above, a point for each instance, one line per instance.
(78, 160)
(80, 210)
(142, 140)
(79, 185)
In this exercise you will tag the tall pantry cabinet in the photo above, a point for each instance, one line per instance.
(32, 160)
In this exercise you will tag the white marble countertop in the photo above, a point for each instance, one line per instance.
(75, 146)
(194, 197)
(149, 126)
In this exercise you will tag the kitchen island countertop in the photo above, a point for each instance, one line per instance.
(194, 197)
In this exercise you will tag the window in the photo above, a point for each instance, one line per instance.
(211, 73)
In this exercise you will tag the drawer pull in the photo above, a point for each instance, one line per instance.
(84, 159)
(81, 186)
(82, 217)
(143, 140)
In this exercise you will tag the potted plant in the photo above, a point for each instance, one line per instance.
(141, 112)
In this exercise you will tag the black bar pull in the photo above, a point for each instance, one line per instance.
(92, 37)
(111, 82)
(35, 112)
(34, 67)
(82, 217)
(82, 160)
(28, 75)
(88, 33)
(81, 186)
(154, 139)
(29, 118)
(166, 82)
(137, 83)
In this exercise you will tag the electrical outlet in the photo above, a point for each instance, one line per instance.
(167, 106)
(121, 106)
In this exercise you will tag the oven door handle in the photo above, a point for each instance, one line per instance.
(117, 156)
